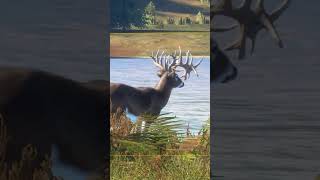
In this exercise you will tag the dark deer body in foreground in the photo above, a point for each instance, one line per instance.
(44, 110)
(151, 100)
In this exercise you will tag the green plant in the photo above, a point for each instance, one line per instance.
(154, 151)
(159, 133)
(149, 14)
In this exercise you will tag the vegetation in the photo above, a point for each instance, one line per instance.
(21, 170)
(153, 15)
(150, 14)
(201, 19)
(142, 44)
(160, 151)
(207, 2)
(125, 15)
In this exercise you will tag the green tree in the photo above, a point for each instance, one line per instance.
(200, 19)
(188, 20)
(170, 20)
(126, 13)
(150, 14)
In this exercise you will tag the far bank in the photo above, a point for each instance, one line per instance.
(142, 44)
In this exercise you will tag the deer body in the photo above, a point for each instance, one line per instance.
(142, 99)
(43, 109)
(149, 100)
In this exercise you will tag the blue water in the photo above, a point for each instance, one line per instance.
(190, 104)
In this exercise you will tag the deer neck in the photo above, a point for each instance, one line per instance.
(164, 89)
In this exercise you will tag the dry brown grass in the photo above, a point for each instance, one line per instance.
(130, 159)
(142, 44)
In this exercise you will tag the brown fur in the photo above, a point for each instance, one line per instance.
(43, 109)
(144, 99)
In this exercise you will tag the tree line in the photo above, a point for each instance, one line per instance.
(127, 16)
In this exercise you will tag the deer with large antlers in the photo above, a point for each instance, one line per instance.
(147, 100)
(250, 20)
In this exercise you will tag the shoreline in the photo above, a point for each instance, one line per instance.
(146, 57)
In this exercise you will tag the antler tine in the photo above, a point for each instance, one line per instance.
(187, 59)
(188, 65)
(161, 58)
(163, 61)
(251, 21)
(246, 3)
(156, 60)
(277, 12)
(167, 63)
(195, 67)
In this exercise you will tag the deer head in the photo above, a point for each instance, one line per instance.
(168, 65)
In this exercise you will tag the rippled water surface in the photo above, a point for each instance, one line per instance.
(191, 103)
(267, 121)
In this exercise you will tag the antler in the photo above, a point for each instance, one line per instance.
(163, 61)
(188, 66)
(251, 21)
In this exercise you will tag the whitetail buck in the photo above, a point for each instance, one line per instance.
(46, 110)
(148, 100)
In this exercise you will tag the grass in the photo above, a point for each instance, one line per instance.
(22, 170)
(160, 167)
(142, 44)
(158, 152)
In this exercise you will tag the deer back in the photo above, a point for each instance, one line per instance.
(44, 109)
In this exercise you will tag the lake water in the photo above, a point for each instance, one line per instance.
(190, 104)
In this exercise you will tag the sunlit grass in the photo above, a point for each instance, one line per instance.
(159, 151)
(141, 44)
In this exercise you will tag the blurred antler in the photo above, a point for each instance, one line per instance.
(188, 65)
(251, 21)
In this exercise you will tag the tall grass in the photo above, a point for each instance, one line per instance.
(159, 151)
